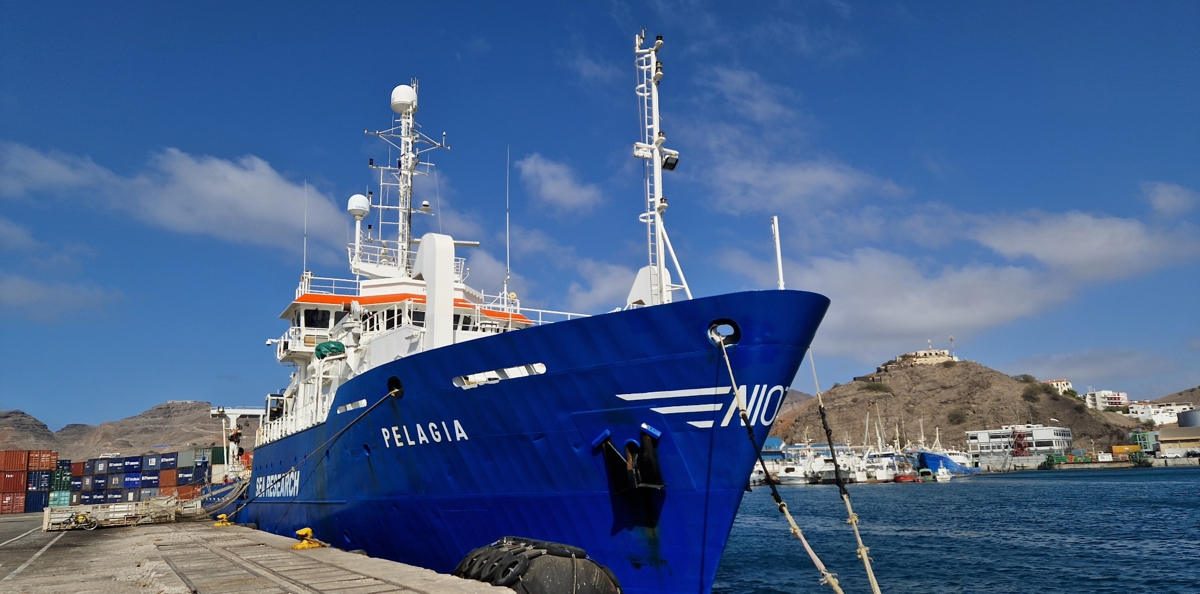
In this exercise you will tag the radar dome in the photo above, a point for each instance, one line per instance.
(404, 99)
(358, 206)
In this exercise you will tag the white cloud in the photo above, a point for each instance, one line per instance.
(750, 95)
(1169, 200)
(1095, 366)
(243, 200)
(15, 238)
(1084, 246)
(769, 185)
(555, 184)
(589, 69)
(883, 303)
(46, 302)
(607, 286)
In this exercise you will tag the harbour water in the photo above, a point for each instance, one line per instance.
(1127, 530)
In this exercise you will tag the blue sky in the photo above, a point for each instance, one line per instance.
(1023, 176)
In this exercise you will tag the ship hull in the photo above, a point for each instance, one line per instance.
(426, 477)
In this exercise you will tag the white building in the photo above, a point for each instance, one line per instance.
(1061, 385)
(1102, 399)
(1160, 414)
(1039, 440)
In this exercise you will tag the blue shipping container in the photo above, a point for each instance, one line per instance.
(184, 476)
(113, 496)
(38, 480)
(36, 501)
(89, 467)
(150, 462)
(131, 495)
(168, 461)
(77, 483)
(148, 493)
(150, 479)
(101, 466)
(116, 465)
(133, 480)
(64, 465)
(133, 464)
(116, 481)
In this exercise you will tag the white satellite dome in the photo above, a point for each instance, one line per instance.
(404, 99)
(358, 206)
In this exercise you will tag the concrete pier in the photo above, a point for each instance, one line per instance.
(195, 557)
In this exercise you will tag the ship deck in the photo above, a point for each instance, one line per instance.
(195, 557)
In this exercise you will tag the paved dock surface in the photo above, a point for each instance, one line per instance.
(189, 557)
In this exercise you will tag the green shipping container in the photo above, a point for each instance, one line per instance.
(60, 498)
(61, 480)
(217, 456)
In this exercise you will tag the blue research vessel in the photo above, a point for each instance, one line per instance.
(425, 419)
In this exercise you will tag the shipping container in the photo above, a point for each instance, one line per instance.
(12, 503)
(87, 482)
(36, 501)
(77, 483)
(183, 476)
(203, 455)
(37, 480)
(63, 464)
(101, 466)
(85, 497)
(167, 491)
(77, 497)
(114, 496)
(168, 478)
(186, 458)
(1126, 449)
(150, 479)
(116, 481)
(148, 493)
(168, 461)
(187, 491)
(150, 462)
(77, 468)
(60, 498)
(133, 480)
(116, 465)
(217, 456)
(12, 481)
(131, 495)
(16, 460)
(89, 467)
(43, 460)
(60, 480)
(133, 464)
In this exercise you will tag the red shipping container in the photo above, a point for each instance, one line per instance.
(12, 481)
(166, 491)
(12, 503)
(167, 478)
(77, 468)
(43, 460)
(187, 491)
(14, 459)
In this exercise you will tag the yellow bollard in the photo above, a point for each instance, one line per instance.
(222, 521)
(307, 541)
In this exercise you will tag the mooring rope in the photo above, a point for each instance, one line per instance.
(852, 518)
(827, 577)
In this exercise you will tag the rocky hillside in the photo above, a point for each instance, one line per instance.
(954, 397)
(1191, 395)
(167, 427)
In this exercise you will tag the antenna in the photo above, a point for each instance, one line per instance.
(304, 261)
(507, 232)
(952, 355)
(778, 254)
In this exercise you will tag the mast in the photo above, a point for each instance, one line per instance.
(658, 158)
(388, 255)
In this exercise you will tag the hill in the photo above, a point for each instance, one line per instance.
(954, 397)
(167, 427)
(1191, 395)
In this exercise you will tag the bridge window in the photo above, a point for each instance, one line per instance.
(316, 318)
